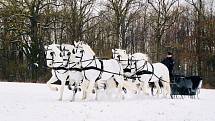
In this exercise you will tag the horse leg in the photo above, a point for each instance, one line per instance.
(145, 86)
(63, 83)
(130, 85)
(84, 86)
(90, 88)
(52, 80)
(63, 77)
(74, 90)
(121, 85)
(96, 90)
(137, 86)
(71, 82)
(158, 88)
(168, 89)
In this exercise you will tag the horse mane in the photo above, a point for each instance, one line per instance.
(145, 56)
(68, 46)
(88, 49)
(77, 44)
(140, 56)
(55, 48)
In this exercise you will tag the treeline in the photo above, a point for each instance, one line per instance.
(186, 28)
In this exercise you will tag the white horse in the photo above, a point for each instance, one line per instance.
(127, 63)
(95, 70)
(75, 74)
(138, 62)
(54, 60)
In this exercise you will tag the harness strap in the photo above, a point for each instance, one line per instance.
(59, 68)
(55, 71)
(102, 68)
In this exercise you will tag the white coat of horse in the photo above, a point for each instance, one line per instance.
(98, 70)
(54, 60)
(139, 62)
(74, 71)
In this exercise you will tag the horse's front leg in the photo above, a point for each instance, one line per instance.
(52, 80)
(91, 89)
(84, 87)
(145, 87)
(74, 93)
(63, 78)
(74, 89)
(63, 83)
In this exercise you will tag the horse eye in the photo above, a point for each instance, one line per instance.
(68, 53)
(51, 53)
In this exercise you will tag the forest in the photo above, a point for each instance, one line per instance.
(184, 27)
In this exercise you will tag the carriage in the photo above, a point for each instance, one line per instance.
(185, 86)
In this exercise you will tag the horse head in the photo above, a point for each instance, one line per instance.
(118, 54)
(53, 55)
(67, 54)
(83, 51)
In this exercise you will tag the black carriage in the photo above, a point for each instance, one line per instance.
(185, 86)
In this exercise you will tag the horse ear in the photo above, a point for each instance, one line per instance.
(75, 43)
(46, 47)
(113, 50)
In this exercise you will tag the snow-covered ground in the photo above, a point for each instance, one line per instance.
(35, 102)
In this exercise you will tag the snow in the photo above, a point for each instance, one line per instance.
(35, 102)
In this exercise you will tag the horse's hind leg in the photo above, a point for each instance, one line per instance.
(158, 88)
(166, 89)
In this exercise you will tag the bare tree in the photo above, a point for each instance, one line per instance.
(123, 13)
(162, 17)
(199, 31)
(77, 14)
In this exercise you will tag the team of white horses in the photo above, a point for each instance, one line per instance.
(87, 73)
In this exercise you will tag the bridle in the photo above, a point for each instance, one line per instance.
(130, 61)
(81, 58)
(68, 59)
(52, 56)
(120, 60)
(51, 53)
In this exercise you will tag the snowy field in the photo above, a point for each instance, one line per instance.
(35, 102)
